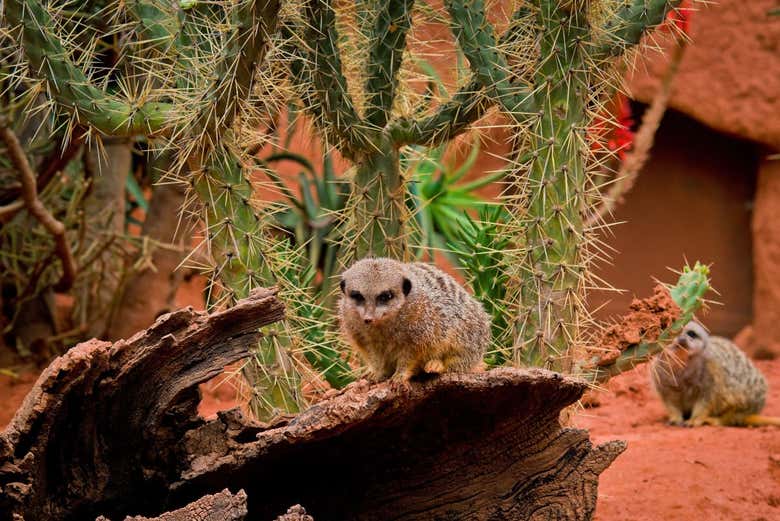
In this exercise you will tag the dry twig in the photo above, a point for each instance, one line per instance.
(36, 208)
(643, 141)
(7, 211)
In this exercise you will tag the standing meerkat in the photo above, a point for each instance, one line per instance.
(707, 380)
(405, 319)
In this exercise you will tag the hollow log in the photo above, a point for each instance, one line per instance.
(113, 430)
(99, 432)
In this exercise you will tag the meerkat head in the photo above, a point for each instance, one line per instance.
(693, 337)
(374, 290)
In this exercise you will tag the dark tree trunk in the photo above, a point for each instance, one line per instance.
(105, 205)
(113, 430)
(149, 293)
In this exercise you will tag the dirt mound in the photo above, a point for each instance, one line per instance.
(647, 318)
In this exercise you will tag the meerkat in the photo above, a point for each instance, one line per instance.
(707, 380)
(410, 319)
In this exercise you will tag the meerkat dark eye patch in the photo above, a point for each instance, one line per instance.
(356, 296)
(691, 334)
(342, 285)
(406, 286)
(384, 297)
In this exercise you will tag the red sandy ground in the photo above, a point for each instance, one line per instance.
(708, 473)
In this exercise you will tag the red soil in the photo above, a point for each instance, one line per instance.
(645, 321)
(713, 473)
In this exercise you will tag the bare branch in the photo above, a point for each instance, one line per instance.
(36, 208)
(7, 211)
(643, 142)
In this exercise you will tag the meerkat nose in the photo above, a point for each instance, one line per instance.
(368, 320)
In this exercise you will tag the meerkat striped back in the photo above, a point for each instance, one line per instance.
(741, 377)
(436, 279)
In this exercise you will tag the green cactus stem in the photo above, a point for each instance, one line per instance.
(326, 72)
(629, 24)
(475, 36)
(68, 84)
(450, 119)
(387, 48)
(378, 200)
(247, 256)
(555, 242)
(251, 26)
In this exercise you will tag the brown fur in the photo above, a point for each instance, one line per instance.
(436, 327)
(707, 380)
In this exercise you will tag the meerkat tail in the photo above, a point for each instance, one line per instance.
(756, 420)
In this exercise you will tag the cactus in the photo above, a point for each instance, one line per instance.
(191, 78)
(550, 102)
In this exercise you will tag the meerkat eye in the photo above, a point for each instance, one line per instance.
(356, 296)
(384, 297)
(692, 334)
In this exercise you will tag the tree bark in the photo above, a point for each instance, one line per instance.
(113, 430)
(100, 432)
(105, 211)
(222, 506)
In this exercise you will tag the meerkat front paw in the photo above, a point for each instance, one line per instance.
(402, 380)
(435, 366)
(675, 419)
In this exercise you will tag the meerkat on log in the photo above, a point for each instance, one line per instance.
(707, 380)
(410, 319)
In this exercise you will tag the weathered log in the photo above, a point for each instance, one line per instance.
(99, 433)
(470, 446)
(113, 430)
(222, 506)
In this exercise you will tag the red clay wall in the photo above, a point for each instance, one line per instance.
(692, 201)
(730, 75)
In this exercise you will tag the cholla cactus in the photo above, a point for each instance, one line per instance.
(550, 93)
(190, 81)
(548, 73)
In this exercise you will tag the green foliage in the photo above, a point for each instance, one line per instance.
(438, 199)
(311, 219)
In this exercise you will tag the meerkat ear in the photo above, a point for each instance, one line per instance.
(342, 285)
(406, 286)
